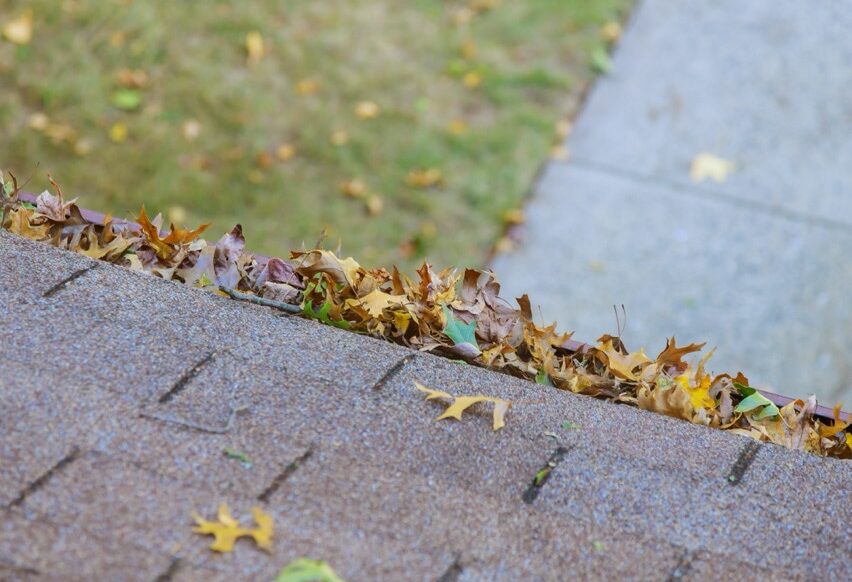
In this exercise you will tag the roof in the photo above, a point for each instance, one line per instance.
(120, 386)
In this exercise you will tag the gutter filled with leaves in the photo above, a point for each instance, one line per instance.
(459, 315)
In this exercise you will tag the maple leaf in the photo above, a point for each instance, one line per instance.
(622, 365)
(375, 302)
(672, 355)
(307, 570)
(458, 404)
(227, 530)
(112, 249)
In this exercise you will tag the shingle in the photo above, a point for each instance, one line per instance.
(386, 491)
(32, 549)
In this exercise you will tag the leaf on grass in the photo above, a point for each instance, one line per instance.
(126, 99)
(255, 48)
(458, 404)
(227, 530)
(307, 570)
(19, 30)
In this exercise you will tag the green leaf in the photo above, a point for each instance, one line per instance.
(568, 425)
(307, 570)
(126, 99)
(599, 61)
(239, 456)
(543, 379)
(758, 400)
(321, 314)
(204, 280)
(744, 390)
(460, 333)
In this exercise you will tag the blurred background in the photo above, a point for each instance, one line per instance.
(404, 128)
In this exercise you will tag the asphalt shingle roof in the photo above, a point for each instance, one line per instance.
(99, 478)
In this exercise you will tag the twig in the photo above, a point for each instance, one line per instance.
(213, 430)
(260, 300)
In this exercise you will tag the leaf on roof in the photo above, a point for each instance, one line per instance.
(227, 530)
(458, 331)
(166, 247)
(623, 365)
(307, 570)
(459, 404)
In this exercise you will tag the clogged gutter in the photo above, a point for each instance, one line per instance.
(456, 314)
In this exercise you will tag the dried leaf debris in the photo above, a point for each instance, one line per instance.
(457, 314)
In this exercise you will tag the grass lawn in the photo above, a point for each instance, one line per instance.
(128, 101)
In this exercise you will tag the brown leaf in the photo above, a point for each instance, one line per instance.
(672, 355)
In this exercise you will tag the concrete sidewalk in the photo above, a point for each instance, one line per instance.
(758, 265)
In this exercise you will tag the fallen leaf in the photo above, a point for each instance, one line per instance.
(191, 129)
(19, 30)
(514, 216)
(755, 401)
(353, 188)
(20, 224)
(320, 261)
(709, 166)
(458, 404)
(611, 32)
(132, 78)
(126, 99)
(118, 132)
(468, 49)
(472, 79)
(457, 127)
(285, 152)
(367, 110)
(177, 214)
(307, 570)
(623, 365)
(424, 178)
(599, 61)
(338, 137)
(307, 87)
(255, 46)
(377, 301)
(38, 121)
(458, 331)
(374, 204)
(227, 530)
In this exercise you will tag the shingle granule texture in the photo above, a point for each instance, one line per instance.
(116, 390)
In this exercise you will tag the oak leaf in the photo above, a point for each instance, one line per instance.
(20, 224)
(458, 404)
(227, 530)
(344, 271)
(377, 301)
(622, 365)
(165, 247)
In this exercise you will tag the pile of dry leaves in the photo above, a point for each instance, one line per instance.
(456, 314)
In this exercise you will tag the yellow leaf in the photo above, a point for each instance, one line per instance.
(38, 121)
(374, 204)
(338, 137)
(708, 166)
(227, 530)
(320, 261)
(849, 441)
(472, 79)
(401, 319)
(307, 87)
(457, 127)
(367, 110)
(20, 224)
(285, 152)
(425, 178)
(699, 392)
(468, 50)
(254, 46)
(375, 302)
(611, 32)
(432, 394)
(118, 132)
(623, 365)
(461, 403)
(353, 188)
(514, 216)
(560, 152)
(20, 30)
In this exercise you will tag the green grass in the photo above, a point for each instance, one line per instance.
(532, 56)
